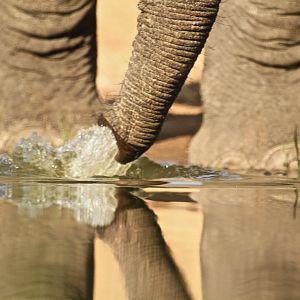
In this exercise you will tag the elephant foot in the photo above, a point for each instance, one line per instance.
(218, 154)
(282, 157)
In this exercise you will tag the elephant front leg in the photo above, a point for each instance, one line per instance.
(250, 87)
(48, 58)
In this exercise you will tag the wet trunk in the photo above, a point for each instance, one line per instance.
(48, 57)
(170, 36)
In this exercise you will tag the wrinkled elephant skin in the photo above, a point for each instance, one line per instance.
(48, 59)
(251, 87)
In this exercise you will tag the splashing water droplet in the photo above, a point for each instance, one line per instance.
(93, 153)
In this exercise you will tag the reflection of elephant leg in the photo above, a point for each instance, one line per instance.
(46, 257)
(250, 245)
(138, 245)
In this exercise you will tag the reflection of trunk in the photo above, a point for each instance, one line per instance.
(138, 245)
(250, 245)
(170, 36)
(46, 257)
(48, 56)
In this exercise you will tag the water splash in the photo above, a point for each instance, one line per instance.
(90, 153)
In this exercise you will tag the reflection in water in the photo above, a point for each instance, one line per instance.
(296, 203)
(138, 245)
(90, 204)
(48, 235)
(250, 244)
(47, 257)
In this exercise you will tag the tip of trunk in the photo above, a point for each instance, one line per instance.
(126, 152)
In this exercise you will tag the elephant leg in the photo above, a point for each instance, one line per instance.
(48, 58)
(251, 87)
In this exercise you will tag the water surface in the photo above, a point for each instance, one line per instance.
(210, 238)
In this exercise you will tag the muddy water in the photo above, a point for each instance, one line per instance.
(225, 237)
(77, 225)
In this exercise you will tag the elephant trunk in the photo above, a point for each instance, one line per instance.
(170, 36)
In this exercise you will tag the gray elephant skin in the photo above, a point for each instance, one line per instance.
(48, 60)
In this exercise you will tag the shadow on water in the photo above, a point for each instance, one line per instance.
(249, 245)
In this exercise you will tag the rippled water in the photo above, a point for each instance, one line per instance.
(71, 230)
